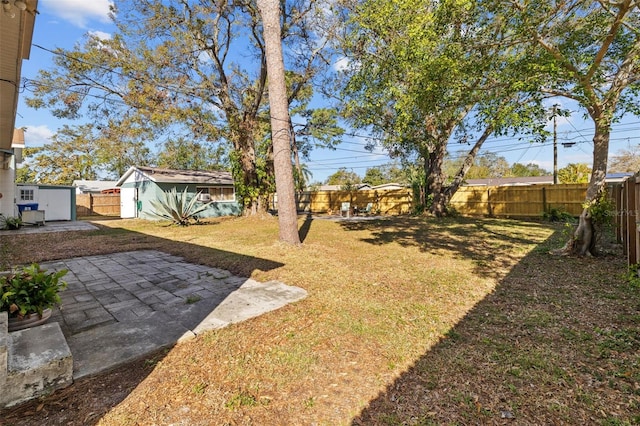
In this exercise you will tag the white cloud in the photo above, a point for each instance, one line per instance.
(100, 35)
(342, 64)
(36, 136)
(79, 12)
(546, 165)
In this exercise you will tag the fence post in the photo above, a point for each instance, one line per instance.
(489, 203)
(630, 192)
(636, 224)
(91, 211)
(618, 219)
(544, 199)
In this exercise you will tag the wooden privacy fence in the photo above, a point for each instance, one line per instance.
(97, 205)
(519, 201)
(499, 201)
(627, 207)
(389, 202)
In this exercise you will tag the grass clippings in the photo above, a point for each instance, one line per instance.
(409, 321)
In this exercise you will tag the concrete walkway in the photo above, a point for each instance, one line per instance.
(119, 307)
(62, 226)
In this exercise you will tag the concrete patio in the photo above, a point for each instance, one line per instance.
(122, 306)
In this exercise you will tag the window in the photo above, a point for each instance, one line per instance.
(26, 195)
(216, 193)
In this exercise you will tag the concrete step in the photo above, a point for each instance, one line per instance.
(37, 362)
(4, 337)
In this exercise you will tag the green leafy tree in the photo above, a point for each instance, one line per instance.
(80, 152)
(574, 173)
(320, 129)
(587, 51)
(183, 154)
(387, 173)
(374, 176)
(489, 165)
(424, 79)
(172, 70)
(25, 173)
(302, 176)
(530, 169)
(344, 177)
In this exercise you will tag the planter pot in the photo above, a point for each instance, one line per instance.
(31, 320)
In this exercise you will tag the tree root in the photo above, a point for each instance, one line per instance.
(583, 241)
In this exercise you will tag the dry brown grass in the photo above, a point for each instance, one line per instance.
(408, 321)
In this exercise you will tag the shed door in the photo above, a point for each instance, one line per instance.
(128, 201)
(56, 203)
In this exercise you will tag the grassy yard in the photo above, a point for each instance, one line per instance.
(409, 321)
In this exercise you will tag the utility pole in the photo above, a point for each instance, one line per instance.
(555, 145)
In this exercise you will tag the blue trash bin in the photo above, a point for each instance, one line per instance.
(27, 206)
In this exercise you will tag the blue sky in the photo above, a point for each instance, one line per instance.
(64, 23)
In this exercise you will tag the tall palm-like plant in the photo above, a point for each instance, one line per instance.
(178, 208)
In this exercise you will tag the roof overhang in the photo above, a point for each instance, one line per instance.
(15, 46)
(159, 175)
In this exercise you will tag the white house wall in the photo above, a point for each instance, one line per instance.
(129, 194)
(8, 189)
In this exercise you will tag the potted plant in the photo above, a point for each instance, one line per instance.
(28, 294)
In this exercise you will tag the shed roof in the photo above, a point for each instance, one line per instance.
(533, 180)
(180, 176)
(509, 181)
(93, 186)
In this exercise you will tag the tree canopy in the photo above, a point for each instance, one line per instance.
(344, 177)
(388, 173)
(190, 70)
(428, 74)
(626, 160)
(584, 50)
(78, 152)
(574, 173)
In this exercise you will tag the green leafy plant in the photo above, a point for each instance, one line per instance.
(602, 211)
(10, 222)
(30, 290)
(557, 214)
(178, 208)
(633, 275)
(194, 298)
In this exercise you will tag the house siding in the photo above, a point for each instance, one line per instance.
(149, 190)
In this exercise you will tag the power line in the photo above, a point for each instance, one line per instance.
(507, 144)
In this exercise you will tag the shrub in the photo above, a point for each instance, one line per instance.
(557, 214)
(178, 208)
(10, 222)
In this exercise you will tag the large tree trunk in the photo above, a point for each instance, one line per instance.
(583, 241)
(434, 179)
(279, 107)
(467, 163)
(254, 201)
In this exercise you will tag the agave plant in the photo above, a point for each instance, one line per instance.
(178, 208)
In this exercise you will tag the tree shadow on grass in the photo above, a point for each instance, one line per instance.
(130, 298)
(555, 343)
(305, 227)
(451, 237)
